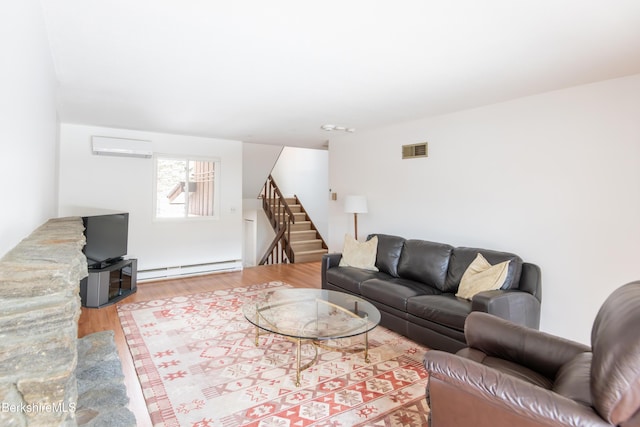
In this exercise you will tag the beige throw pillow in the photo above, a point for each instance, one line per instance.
(360, 255)
(482, 276)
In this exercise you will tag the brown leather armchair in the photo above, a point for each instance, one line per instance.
(510, 375)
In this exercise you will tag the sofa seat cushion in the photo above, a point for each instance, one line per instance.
(394, 292)
(350, 278)
(445, 309)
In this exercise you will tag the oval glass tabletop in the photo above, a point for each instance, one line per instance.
(312, 314)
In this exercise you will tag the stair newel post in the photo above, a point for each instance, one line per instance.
(264, 197)
(288, 229)
(268, 195)
(288, 237)
(272, 206)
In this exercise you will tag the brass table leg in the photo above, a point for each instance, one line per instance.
(299, 366)
(298, 355)
(257, 330)
(366, 348)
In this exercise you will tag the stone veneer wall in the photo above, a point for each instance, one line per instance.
(39, 311)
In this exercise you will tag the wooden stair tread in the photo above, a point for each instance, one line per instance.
(291, 205)
(298, 242)
(296, 236)
(299, 246)
(309, 256)
(313, 251)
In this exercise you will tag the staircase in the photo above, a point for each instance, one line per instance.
(305, 241)
(297, 239)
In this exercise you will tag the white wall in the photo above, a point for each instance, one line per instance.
(554, 178)
(28, 123)
(124, 183)
(304, 172)
(262, 233)
(257, 162)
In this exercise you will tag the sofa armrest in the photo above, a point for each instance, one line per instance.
(536, 350)
(531, 280)
(331, 260)
(493, 398)
(511, 304)
(328, 261)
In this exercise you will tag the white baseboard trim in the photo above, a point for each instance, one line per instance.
(188, 270)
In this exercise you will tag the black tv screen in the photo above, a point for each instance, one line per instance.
(107, 237)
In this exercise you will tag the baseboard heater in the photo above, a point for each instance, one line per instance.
(189, 270)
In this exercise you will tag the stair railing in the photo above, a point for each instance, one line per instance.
(281, 218)
(276, 253)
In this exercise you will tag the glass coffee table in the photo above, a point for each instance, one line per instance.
(315, 316)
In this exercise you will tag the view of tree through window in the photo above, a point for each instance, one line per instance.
(185, 188)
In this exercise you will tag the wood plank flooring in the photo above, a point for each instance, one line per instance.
(306, 275)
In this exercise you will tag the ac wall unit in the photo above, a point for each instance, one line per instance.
(107, 146)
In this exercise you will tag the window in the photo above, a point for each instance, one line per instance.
(186, 187)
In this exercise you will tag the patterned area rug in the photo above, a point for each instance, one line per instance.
(198, 365)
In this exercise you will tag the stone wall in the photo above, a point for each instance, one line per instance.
(39, 311)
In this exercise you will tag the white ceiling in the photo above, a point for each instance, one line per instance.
(275, 71)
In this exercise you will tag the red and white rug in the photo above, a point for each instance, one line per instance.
(198, 365)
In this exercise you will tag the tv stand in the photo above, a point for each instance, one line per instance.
(104, 264)
(109, 284)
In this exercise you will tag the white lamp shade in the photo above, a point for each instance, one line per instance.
(355, 204)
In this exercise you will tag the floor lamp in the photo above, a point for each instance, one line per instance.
(355, 205)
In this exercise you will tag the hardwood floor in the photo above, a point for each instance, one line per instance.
(306, 275)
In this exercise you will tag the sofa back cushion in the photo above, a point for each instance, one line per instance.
(615, 341)
(389, 250)
(462, 257)
(425, 262)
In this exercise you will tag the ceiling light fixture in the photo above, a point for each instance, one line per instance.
(334, 127)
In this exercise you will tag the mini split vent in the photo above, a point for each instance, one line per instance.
(414, 151)
(107, 146)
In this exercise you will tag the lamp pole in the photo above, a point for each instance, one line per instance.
(355, 224)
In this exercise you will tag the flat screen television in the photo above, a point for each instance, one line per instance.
(107, 237)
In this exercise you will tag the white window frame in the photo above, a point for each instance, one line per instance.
(216, 188)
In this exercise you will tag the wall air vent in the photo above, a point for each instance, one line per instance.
(415, 150)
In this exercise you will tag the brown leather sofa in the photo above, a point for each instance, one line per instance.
(510, 375)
